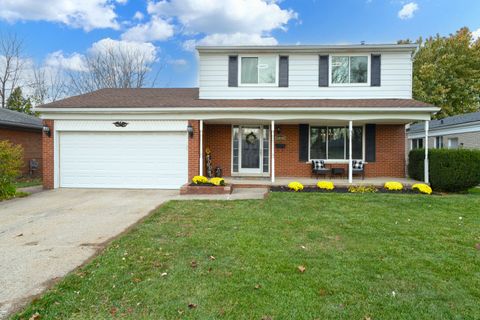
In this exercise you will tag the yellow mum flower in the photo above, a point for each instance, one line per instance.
(217, 181)
(296, 186)
(327, 185)
(423, 188)
(393, 186)
(199, 179)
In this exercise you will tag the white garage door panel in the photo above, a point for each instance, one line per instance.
(123, 160)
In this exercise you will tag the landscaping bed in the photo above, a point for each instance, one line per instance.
(342, 190)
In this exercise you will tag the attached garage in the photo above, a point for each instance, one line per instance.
(141, 155)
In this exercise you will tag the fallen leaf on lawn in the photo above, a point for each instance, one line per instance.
(367, 318)
(301, 269)
(257, 286)
(137, 280)
(212, 258)
(163, 274)
(192, 305)
(113, 311)
(322, 292)
(193, 264)
(477, 246)
(35, 316)
(180, 311)
(303, 247)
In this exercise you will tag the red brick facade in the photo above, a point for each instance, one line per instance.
(390, 151)
(194, 150)
(48, 152)
(31, 142)
(218, 138)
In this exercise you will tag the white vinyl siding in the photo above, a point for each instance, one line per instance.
(396, 75)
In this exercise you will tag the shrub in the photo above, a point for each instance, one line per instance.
(450, 170)
(393, 186)
(11, 160)
(362, 189)
(422, 188)
(327, 185)
(199, 180)
(295, 186)
(217, 181)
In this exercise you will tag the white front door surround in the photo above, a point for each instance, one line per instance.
(250, 149)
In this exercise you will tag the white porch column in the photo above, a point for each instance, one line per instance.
(272, 143)
(426, 173)
(350, 133)
(201, 147)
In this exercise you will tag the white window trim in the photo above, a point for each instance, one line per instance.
(330, 78)
(240, 84)
(345, 146)
(450, 142)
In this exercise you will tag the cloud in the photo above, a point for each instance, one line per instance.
(76, 61)
(223, 39)
(408, 10)
(146, 50)
(138, 16)
(157, 29)
(224, 16)
(73, 62)
(85, 14)
(177, 62)
(476, 34)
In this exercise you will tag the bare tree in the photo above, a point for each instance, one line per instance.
(48, 85)
(114, 67)
(11, 64)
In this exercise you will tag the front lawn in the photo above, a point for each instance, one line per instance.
(372, 256)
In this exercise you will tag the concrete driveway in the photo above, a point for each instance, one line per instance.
(48, 234)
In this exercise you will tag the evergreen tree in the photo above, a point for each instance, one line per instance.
(17, 102)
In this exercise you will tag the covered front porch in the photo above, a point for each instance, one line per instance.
(253, 149)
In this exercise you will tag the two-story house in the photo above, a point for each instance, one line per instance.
(259, 111)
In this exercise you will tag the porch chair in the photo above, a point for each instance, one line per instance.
(358, 167)
(318, 168)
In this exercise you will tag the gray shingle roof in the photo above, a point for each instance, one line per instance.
(188, 98)
(11, 118)
(446, 122)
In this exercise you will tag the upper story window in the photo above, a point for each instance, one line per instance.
(349, 70)
(261, 70)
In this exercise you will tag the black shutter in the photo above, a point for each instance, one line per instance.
(323, 71)
(376, 62)
(370, 148)
(233, 71)
(283, 72)
(303, 142)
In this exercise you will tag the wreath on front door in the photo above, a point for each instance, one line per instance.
(251, 138)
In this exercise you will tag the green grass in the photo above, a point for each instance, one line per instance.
(28, 182)
(475, 191)
(381, 256)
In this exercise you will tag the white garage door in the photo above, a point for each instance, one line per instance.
(123, 160)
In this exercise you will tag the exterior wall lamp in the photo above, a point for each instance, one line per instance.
(46, 130)
(190, 131)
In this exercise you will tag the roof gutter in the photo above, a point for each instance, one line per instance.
(241, 109)
(310, 48)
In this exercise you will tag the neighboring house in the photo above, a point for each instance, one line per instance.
(262, 111)
(460, 131)
(25, 130)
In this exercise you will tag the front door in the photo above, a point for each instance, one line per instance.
(250, 149)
